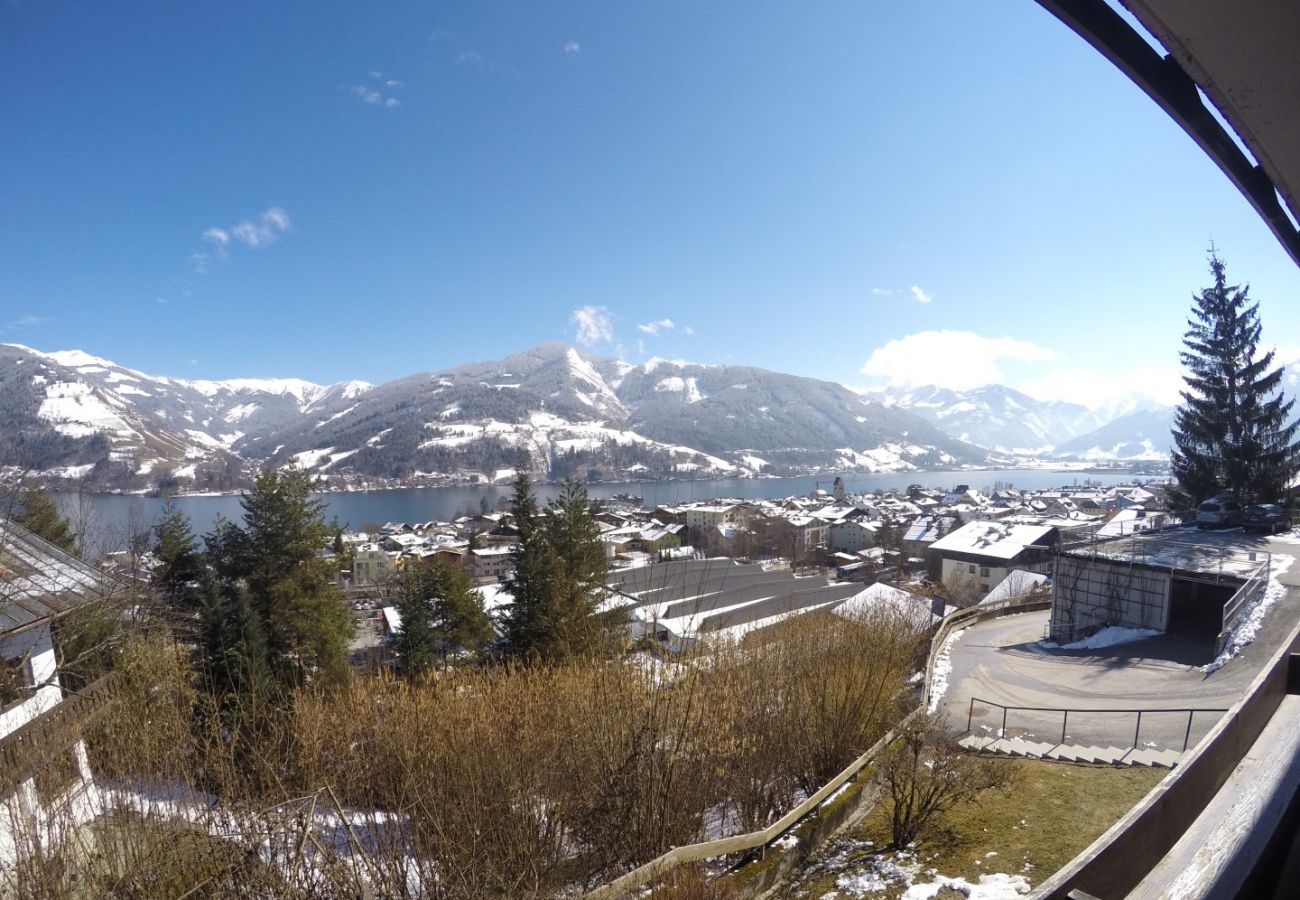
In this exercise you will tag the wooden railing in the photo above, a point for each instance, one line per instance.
(742, 843)
(26, 750)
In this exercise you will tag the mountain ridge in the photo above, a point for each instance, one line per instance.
(553, 409)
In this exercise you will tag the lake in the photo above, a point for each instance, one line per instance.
(112, 516)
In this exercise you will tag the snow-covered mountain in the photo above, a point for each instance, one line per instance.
(551, 409)
(1142, 435)
(998, 417)
(72, 416)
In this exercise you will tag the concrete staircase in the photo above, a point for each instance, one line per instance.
(1111, 756)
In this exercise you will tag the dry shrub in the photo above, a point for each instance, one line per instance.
(496, 782)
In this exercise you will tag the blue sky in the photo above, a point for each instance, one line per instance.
(344, 190)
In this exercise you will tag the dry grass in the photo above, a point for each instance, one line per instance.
(1055, 812)
(493, 782)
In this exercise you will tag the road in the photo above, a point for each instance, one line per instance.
(1001, 660)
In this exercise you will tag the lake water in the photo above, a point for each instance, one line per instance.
(112, 516)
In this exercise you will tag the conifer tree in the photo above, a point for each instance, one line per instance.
(274, 593)
(526, 622)
(179, 574)
(37, 512)
(441, 614)
(579, 574)
(559, 578)
(1233, 432)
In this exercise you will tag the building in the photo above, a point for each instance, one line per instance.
(372, 564)
(490, 563)
(44, 774)
(977, 556)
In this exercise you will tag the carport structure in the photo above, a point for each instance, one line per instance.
(1180, 585)
(681, 601)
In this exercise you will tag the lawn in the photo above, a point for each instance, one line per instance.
(1010, 840)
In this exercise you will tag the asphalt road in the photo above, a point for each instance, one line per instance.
(1001, 661)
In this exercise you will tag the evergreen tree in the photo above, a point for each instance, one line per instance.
(37, 512)
(527, 620)
(441, 614)
(1232, 432)
(579, 573)
(179, 574)
(275, 601)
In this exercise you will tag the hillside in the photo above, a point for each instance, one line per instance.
(78, 419)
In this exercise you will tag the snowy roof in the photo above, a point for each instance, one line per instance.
(997, 540)
(38, 581)
(927, 528)
(1016, 584)
(392, 619)
(920, 611)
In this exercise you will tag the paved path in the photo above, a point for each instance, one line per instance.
(1000, 660)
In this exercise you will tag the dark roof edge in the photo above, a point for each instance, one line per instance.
(1169, 85)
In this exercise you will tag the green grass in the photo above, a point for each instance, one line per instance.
(1051, 812)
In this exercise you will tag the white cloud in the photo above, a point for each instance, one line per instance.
(1105, 388)
(919, 295)
(218, 236)
(373, 97)
(688, 330)
(657, 327)
(883, 292)
(594, 324)
(255, 233)
(572, 48)
(262, 231)
(955, 359)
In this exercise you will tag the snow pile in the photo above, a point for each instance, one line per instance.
(885, 871)
(942, 669)
(1253, 615)
(1109, 636)
(994, 886)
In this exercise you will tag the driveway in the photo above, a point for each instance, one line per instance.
(1001, 660)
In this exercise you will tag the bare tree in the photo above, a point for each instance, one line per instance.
(926, 774)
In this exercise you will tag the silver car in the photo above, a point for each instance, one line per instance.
(1219, 513)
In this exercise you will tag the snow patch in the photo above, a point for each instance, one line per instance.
(942, 670)
(1249, 620)
(1110, 636)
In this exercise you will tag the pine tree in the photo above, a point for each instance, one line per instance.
(441, 614)
(1232, 433)
(579, 574)
(274, 592)
(559, 578)
(526, 622)
(38, 513)
(179, 574)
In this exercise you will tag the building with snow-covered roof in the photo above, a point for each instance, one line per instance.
(980, 554)
(44, 770)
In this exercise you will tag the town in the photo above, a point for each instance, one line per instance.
(952, 548)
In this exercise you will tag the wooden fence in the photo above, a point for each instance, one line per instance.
(28, 749)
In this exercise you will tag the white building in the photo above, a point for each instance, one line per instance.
(978, 556)
(45, 781)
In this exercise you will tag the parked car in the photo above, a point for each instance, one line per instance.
(1219, 513)
(1267, 518)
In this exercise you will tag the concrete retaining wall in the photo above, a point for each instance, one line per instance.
(1090, 593)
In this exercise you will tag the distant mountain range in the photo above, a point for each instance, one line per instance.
(1008, 421)
(73, 418)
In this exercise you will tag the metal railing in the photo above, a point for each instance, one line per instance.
(1065, 717)
(1255, 585)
